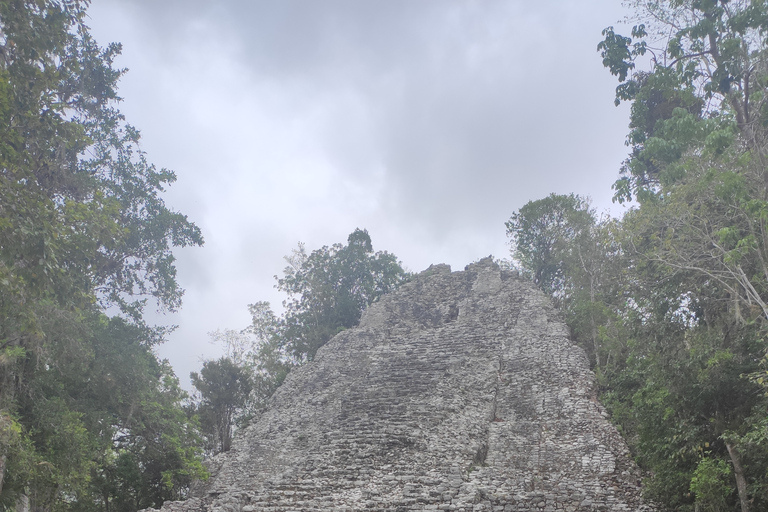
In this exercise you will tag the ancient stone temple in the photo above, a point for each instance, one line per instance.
(460, 391)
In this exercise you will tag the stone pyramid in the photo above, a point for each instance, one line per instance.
(459, 391)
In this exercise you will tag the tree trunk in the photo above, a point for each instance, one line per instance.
(2, 472)
(5, 437)
(738, 471)
(595, 342)
(22, 504)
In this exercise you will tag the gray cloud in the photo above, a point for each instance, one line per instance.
(428, 122)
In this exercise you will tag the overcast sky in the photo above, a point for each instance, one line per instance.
(427, 122)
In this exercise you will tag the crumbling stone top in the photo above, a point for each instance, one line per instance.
(459, 391)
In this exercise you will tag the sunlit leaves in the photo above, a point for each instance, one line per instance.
(711, 483)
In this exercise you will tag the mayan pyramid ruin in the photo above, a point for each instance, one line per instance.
(459, 391)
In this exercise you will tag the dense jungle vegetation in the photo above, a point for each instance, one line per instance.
(670, 301)
(89, 418)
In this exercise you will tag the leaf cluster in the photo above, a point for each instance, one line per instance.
(707, 81)
(100, 428)
(329, 288)
(659, 303)
(224, 388)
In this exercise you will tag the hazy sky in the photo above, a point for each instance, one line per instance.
(427, 122)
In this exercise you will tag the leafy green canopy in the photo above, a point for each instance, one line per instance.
(574, 258)
(329, 288)
(224, 388)
(683, 309)
(83, 227)
(672, 349)
(706, 82)
(542, 233)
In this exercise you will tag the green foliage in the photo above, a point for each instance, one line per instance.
(707, 80)
(668, 303)
(543, 233)
(269, 361)
(676, 396)
(82, 227)
(328, 290)
(153, 452)
(224, 389)
(577, 259)
(685, 383)
(105, 426)
(711, 484)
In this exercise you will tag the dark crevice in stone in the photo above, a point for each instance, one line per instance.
(453, 313)
(481, 454)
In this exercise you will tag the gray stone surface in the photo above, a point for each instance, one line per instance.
(460, 391)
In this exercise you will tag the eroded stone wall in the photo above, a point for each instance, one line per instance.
(460, 391)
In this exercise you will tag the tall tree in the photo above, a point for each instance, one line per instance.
(82, 227)
(576, 258)
(270, 361)
(543, 232)
(224, 388)
(706, 83)
(329, 288)
(260, 352)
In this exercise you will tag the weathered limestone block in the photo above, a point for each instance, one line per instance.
(459, 391)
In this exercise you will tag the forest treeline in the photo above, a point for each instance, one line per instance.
(90, 419)
(670, 301)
